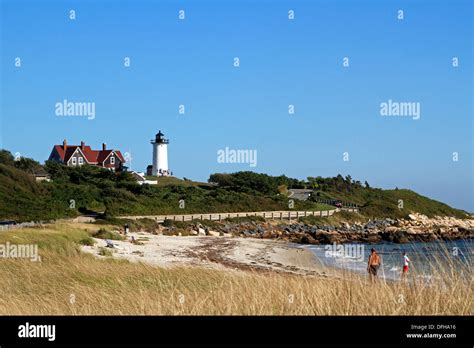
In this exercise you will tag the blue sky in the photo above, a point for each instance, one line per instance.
(282, 62)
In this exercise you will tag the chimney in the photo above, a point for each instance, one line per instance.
(64, 144)
(104, 146)
(82, 145)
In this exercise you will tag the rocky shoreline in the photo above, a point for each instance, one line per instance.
(416, 228)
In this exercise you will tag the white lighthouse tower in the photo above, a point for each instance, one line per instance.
(160, 155)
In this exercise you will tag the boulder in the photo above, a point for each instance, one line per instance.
(307, 239)
(328, 238)
(387, 236)
(400, 237)
(371, 225)
(213, 233)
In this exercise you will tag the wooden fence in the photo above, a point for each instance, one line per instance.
(334, 201)
(8, 227)
(283, 214)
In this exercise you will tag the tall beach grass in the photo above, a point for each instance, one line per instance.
(68, 282)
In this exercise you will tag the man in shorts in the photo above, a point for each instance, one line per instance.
(373, 264)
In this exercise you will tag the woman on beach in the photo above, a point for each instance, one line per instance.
(373, 264)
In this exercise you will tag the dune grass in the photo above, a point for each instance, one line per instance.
(68, 282)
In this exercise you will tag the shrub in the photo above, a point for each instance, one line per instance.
(105, 252)
(105, 234)
(87, 241)
(168, 223)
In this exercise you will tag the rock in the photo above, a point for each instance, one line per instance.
(391, 229)
(370, 225)
(373, 238)
(387, 236)
(428, 237)
(328, 238)
(214, 233)
(194, 233)
(201, 231)
(400, 237)
(307, 239)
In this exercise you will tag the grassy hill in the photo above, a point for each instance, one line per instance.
(375, 202)
(172, 180)
(21, 198)
(84, 189)
(77, 190)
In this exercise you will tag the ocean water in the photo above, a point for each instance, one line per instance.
(429, 260)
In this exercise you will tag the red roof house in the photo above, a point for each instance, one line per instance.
(78, 155)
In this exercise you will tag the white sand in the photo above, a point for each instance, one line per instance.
(215, 253)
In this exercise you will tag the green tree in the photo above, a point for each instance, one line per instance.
(28, 165)
(7, 158)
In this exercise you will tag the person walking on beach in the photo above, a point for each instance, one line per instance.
(406, 260)
(373, 264)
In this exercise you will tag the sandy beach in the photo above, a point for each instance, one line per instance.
(224, 253)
